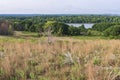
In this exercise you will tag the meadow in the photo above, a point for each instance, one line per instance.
(65, 58)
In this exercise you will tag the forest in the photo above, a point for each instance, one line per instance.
(108, 26)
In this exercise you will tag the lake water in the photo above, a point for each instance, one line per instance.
(87, 25)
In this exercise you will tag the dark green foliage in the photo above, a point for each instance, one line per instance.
(94, 33)
(81, 30)
(74, 31)
(102, 26)
(112, 31)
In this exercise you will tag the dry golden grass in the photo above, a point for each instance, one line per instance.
(93, 60)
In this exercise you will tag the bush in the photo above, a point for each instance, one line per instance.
(5, 28)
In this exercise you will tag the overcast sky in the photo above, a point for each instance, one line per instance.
(59, 6)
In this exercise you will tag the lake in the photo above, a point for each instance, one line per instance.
(87, 25)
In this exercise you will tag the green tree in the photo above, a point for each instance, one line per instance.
(57, 28)
(112, 31)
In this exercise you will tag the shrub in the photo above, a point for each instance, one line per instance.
(96, 61)
(5, 28)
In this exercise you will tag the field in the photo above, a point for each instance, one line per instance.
(27, 57)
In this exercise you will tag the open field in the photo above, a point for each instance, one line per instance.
(64, 59)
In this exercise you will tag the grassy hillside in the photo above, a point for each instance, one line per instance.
(64, 58)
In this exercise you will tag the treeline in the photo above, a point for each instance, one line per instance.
(103, 25)
(111, 30)
(108, 29)
(66, 18)
(51, 27)
(56, 28)
(61, 29)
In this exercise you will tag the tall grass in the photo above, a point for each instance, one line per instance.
(93, 60)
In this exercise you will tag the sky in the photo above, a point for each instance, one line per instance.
(59, 6)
